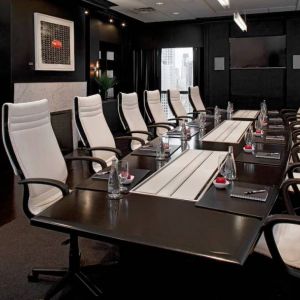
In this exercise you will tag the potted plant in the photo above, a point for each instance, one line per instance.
(105, 83)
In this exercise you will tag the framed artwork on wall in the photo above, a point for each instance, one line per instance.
(54, 43)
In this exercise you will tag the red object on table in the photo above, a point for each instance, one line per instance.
(220, 180)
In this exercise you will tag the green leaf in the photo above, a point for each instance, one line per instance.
(106, 82)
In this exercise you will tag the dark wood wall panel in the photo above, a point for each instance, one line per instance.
(293, 75)
(5, 63)
(218, 82)
(22, 50)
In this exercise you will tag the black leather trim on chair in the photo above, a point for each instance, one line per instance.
(191, 100)
(12, 155)
(8, 144)
(268, 226)
(170, 104)
(79, 125)
(121, 114)
(147, 108)
(110, 149)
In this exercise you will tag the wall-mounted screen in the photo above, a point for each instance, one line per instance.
(258, 52)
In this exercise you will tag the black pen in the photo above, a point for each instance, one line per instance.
(254, 192)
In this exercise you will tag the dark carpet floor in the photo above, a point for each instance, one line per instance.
(24, 246)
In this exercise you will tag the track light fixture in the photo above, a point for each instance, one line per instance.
(239, 21)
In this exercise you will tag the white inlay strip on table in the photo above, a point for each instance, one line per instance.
(228, 132)
(183, 178)
(246, 114)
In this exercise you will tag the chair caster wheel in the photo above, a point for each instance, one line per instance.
(33, 277)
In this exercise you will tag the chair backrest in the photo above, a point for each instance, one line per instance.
(92, 127)
(175, 103)
(33, 150)
(154, 109)
(131, 117)
(195, 98)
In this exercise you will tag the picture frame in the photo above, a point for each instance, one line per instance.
(54, 43)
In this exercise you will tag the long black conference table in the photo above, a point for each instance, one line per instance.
(214, 230)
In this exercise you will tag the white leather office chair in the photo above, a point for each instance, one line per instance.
(176, 105)
(196, 101)
(132, 120)
(35, 156)
(155, 111)
(94, 131)
(280, 239)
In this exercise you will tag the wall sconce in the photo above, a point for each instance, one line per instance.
(95, 69)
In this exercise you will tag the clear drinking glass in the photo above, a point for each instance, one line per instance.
(160, 150)
(202, 119)
(248, 137)
(230, 166)
(165, 142)
(221, 165)
(123, 175)
(113, 187)
(258, 125)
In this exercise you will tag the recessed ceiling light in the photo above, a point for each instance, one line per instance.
(123, 24)
(159, 3)
(111, 20)
(86, 12)
(176, 13)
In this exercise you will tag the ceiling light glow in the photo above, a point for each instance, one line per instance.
(239, 21)
(225, 3)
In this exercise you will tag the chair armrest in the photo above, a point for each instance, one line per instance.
(142, 132)
(270, 222)
(100, 161)
(295, 135)
(292, 168)
(185, 117)
(210, 109)
(47, 181)
(294, 152)
(288, 110)
(175, 119)
(166, 123)
(133, 138)
(285, 192)
(109, 149)
(159, 126)
(295, 145)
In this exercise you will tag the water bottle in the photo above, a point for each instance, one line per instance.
(229, 110)
(264, 111)
(113, 187)
(230, 167)
(183, 131)
(216, 115)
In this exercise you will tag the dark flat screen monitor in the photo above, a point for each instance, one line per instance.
(258, 52)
